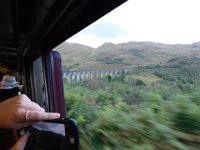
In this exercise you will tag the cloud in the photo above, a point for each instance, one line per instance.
(106, 29)
(166, 21)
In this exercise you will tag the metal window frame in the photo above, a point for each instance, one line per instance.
(52, 65)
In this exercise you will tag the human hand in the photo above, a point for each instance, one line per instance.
(17, 111)
(20, 144)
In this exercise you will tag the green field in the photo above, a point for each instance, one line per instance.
(147, 78)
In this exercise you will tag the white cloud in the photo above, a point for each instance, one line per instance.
(166, 21)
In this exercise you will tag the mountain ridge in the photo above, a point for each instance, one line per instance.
(76, 56)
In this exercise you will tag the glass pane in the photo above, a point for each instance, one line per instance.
(39, 84)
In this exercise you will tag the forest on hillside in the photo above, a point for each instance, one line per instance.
(155, 107)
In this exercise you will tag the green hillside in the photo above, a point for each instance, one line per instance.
(157, 106)
(124, 55)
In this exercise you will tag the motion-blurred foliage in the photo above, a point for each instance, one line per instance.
(118, 113)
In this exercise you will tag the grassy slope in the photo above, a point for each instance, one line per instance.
(118, 56)
(147, 78)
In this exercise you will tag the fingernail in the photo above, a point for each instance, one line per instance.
(22, 132)
(56, 115)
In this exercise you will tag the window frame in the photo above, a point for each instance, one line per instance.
(52, 74)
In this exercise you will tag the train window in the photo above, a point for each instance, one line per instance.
(141, 89)
(39, 84)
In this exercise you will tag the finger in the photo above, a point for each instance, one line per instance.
(30, 104)
(34, 107)
(20, 144)
(27, 116)
(39, 116)
(25, 102)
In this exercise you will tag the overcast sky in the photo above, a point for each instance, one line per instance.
(165, 21)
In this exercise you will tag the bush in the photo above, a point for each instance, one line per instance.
(114, 114)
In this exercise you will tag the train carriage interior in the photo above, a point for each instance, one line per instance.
(29, 30)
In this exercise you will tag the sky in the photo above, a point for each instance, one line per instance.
(164, 21)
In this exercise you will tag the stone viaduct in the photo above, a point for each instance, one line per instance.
(81, 75)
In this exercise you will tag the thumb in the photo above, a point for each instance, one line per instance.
(21, 143)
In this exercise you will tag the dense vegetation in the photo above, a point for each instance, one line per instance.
(156, 107)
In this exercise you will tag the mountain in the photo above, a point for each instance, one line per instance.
(123, 55)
